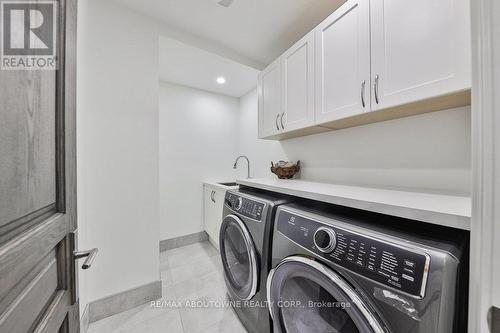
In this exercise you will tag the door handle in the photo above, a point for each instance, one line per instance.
(276, 121)
(89, 254)
(281, 120)
(363, 93)
(375, 88)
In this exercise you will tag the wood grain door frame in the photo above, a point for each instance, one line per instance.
(37, 244)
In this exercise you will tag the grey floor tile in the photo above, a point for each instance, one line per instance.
(185, 255)
(164, 265)
(198, 319)
(209, 286)
(168, 321)
(195, 268)
(167, 291)
(229, 324)
(143, 318)
(189, 273)
(166, 277)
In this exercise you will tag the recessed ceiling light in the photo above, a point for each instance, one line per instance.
(221, 80)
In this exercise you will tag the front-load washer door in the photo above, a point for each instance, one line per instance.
(304, 296)
(239, 257)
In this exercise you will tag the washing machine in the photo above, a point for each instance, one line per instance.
(244, 243)
(341, 270)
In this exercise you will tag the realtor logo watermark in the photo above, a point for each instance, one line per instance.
(28, 32)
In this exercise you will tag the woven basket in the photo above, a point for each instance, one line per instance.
(285, 170)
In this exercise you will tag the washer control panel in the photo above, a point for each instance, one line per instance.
(325, 239)
(379, 260)
(245, 206)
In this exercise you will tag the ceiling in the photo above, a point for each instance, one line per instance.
(190, 66)
(259, 30)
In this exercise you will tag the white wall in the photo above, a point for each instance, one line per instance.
(198, 142)
(260, 152)
(118, 194)
(425, 152)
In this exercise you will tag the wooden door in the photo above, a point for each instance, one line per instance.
(270, 100)
(38, 191)
(297, 68)
(343, 62)
(420, 49)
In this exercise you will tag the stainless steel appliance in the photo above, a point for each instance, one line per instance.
(244, 239)
(341, 270)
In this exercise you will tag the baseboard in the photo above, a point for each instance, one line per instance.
(123, 301)
(84, 320)
(172, 243)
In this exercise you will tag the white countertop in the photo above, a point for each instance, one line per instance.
(446, 210)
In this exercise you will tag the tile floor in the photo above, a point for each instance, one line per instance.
(189, 273)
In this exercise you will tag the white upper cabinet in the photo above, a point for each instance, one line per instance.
(396, 57)
(343, 62)
(297, 68)
(269, 91)
(419, 49)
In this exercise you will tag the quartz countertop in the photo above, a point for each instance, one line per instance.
(442, 209)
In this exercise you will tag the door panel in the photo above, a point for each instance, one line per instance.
(32, 300)
(269, 99)
(38, 191)
(28, 131)
(343, 62)
(298, 84)
(420, 49)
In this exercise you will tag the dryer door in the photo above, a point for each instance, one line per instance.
(305, 296)
(239, 257)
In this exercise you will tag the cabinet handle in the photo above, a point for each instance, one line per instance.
(375, 88)
(281, 120)
(277, 126)
(363, 93)
(213, 197)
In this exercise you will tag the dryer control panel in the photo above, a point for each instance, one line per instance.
(244, 206)
(385, 262)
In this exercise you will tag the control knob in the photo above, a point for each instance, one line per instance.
(239, 203)
(325, 239)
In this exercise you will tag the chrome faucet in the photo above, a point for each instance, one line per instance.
(235, 165)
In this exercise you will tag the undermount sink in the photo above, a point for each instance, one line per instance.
(228, 184)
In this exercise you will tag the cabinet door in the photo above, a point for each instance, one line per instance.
(297, 68)
(218, 207)
(208, 210)
(420, 49)
(343, 62)
(270, 100)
